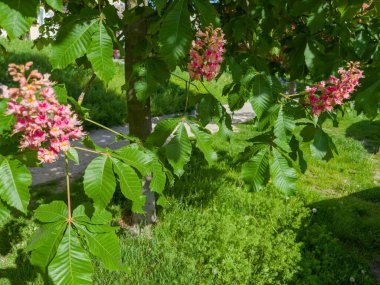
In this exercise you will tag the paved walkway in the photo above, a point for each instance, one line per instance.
(55, 171)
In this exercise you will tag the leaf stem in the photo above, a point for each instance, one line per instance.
(208, 91)
(104, 127)
(184, 80)
(292, 95)
(187, 94)
(89, 150)
(69, 218)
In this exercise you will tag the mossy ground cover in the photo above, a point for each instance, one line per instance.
(216, 232)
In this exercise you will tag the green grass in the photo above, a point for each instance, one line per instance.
(107, 103)
(215, 232)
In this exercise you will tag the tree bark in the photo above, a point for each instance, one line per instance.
(139, 115)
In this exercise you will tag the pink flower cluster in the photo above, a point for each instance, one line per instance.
(323, 96)
(206, 54)
(44, 124)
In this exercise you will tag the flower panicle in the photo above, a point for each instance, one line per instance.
(325, 95)
(44, 123)
(206, 54)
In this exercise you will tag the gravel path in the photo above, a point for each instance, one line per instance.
(55, 171)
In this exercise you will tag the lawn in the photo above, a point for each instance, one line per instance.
(216, 232)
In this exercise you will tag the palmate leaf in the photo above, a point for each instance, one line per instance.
(4, 213)
(72, 42)
(130, 185)
(71, 265)
(283, 175)
(134, 157)
(162, 131)
(154, 74)
(45, 241)
(322, 146)
(55, 4)
(262, 98)
(44, 244)
(203, 142)
(100, 53)
(158, 182)
(6, 122)
(178, 150)
(207, 13)
(282, 125)
(72, 154)
(255, 172)
(160, 5)
(100, 236)
(56, 211)
(15, 179)
(99, 180)
(16, 16)
(176, 34)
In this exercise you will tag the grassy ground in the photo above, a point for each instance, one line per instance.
(107, 103)
(215, 232)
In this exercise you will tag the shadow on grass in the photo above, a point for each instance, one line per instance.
(23, 273)
(342, 240)
(368, 133)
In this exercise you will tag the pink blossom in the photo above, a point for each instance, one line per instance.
(206, 54)
(325, 95)
(44, 124)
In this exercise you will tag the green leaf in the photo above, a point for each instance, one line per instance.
(178, 150)
(262, 95)
(130, 185)
(72, 42)
(204, 143)
(105, 246)
(135, 158)
(100, 53)
(71, 264)
(60, 93)
(207, 13)
(320, 145)
(6, 121)
(54, 212)
(310, 56)
(16, 16)
(15, 179)
(160, 5)
(255, 172)
(44, 244)
(176, 34)
(99, 180)
(4, 213)
(162, 131)
(282, 124)
(72, 154)
(284, 177)
(153, 75)
(158, 182)
(55, 4)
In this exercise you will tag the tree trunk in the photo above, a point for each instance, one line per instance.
(139, 116)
